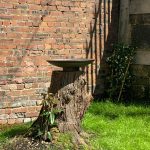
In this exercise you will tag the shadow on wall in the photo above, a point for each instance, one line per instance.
(22, 64)
(103, 33)
(27, 45)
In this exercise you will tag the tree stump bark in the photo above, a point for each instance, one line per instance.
(69, 88)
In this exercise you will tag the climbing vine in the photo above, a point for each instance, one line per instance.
(120, 77)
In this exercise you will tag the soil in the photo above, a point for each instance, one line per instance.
(22, 143)
(28, 143)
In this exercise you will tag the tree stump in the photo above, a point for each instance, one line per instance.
(69, 88)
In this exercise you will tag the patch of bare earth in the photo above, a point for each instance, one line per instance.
(22, 143)
(27, 143)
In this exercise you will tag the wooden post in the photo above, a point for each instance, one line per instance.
(124, 26)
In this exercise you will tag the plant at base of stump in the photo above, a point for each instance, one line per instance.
(65, 108)
(45, 127)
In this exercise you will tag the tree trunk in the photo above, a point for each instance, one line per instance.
(69, 88)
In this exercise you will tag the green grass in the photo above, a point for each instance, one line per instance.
(8, 132)
(118, 127)
(112, 127)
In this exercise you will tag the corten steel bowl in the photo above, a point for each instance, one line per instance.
(70, 64)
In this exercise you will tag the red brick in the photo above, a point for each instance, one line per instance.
(61, 8)
(3, 122)
(56, 13)
(2, 111)
(3, 71)
(32, 114)
(8, 111)
(20, 86)
(77, 9)
(19, 120)
(18, 80)
(15, 93)
(22, 1)
(32, 108)
(20, 109)
(6, 23)
(11, 121)
(34, 85)
(38, 108)
(35, 7)
(6, 5)
(28, 92)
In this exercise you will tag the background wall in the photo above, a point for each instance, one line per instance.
(134, 29)
(32, 31)
(140, 36)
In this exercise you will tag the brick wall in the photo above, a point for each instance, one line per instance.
(32, 31)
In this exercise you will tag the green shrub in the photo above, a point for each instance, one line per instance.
(120, 76)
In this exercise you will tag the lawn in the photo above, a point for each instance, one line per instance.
(111, 126)
(8, 132)
(118, 127)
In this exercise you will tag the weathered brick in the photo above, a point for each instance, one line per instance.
(15, 93)
(28, 91)
(13, 116)
(35, 31)
(6, 5)
(61, 8)
(20, 115)
(20, 86)
(32, 108)
(11, 121)
(2, 111)
(38, 108)
(19, 120)
(2, 93)
(33, 119)
(28, 85)
(16, 104)
(4, 116)
(12, 87)
(3, 122)
(32, 114)
(8, 111)
(19, 110)
(26, 120)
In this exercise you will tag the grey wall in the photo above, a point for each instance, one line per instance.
(135, 29)
(139, 6)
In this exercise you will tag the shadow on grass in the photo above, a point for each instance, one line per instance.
(111, 116)
(12, 131)
(138, 114)
(131, 102)
(112, 111)
(137, 102)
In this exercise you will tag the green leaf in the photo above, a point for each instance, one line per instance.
(52, 118)
(49, 136)
(39, 133)
(56, 111)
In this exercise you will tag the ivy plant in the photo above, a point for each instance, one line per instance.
(120, 76)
